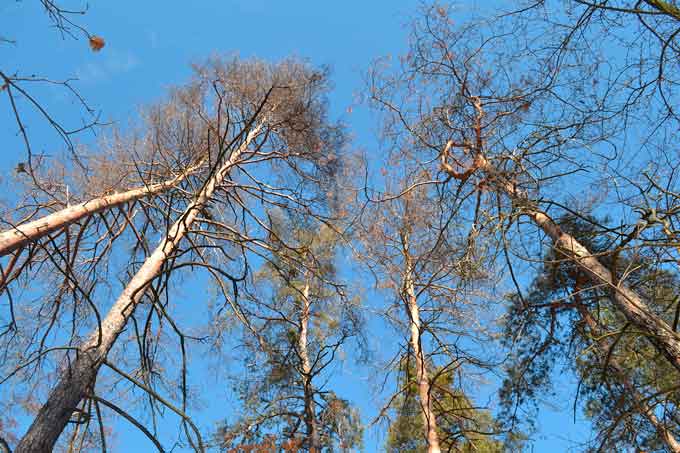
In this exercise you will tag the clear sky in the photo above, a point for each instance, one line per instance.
(149, 46)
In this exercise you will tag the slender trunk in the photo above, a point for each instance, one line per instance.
(77, 381)
(631, 305)
(310, 416)
(422, 375)
(604, 347)
(26, 233)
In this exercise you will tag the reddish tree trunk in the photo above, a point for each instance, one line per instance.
(422, 375)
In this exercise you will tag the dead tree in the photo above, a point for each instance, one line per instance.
(262, 117)
(20, 235)
(535, 122)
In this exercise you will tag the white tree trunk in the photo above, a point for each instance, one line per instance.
(21, 235)
(310, 415)
(422, 375)
(77, 381)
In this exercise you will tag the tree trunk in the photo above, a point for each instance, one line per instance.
(422, 375)
(626, 300)
(26, 233)
(78, 380)
(631, 305)
(604, 347)
(313, 439)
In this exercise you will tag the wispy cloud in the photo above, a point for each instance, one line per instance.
(153, 39)
(113, 64)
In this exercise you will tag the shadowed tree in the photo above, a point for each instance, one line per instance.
(626, 388)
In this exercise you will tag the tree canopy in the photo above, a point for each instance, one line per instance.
(232, 269)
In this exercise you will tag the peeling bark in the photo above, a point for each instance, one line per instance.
(78, 379)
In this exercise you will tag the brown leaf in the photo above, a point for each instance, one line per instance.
(96, 43)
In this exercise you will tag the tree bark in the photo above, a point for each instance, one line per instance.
(313, 438)
(636, 311)
(422, 375)
(26, 233)
(77, 380)
(631, 305)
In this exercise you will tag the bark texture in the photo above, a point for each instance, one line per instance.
(633, 307)
(77, 380)
(26, 233)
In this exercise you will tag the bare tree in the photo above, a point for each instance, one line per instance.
(493, 132)
(538, 119)
(67, 258)
(259, 121)
(419, 250)
(22, 87)
(76, 381)
(28, 232)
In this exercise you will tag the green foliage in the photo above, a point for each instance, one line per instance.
(462, 427)
(297, 280)
(617, 365)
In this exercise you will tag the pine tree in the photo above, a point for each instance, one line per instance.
(461, 426)
(300, 321)
(626, 388)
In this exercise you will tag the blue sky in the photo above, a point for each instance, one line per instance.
(149, 46)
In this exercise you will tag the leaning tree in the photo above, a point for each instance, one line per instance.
(531, 114)
(497, 114)
(260, 139)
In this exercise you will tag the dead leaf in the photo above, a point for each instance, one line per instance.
(96, 43)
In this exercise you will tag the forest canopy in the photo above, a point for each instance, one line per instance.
(233, 267)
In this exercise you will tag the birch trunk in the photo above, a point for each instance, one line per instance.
(631, 305)
(77, 381)
(310, 415)
(26, 233)
(422, 375)
(604, 346)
